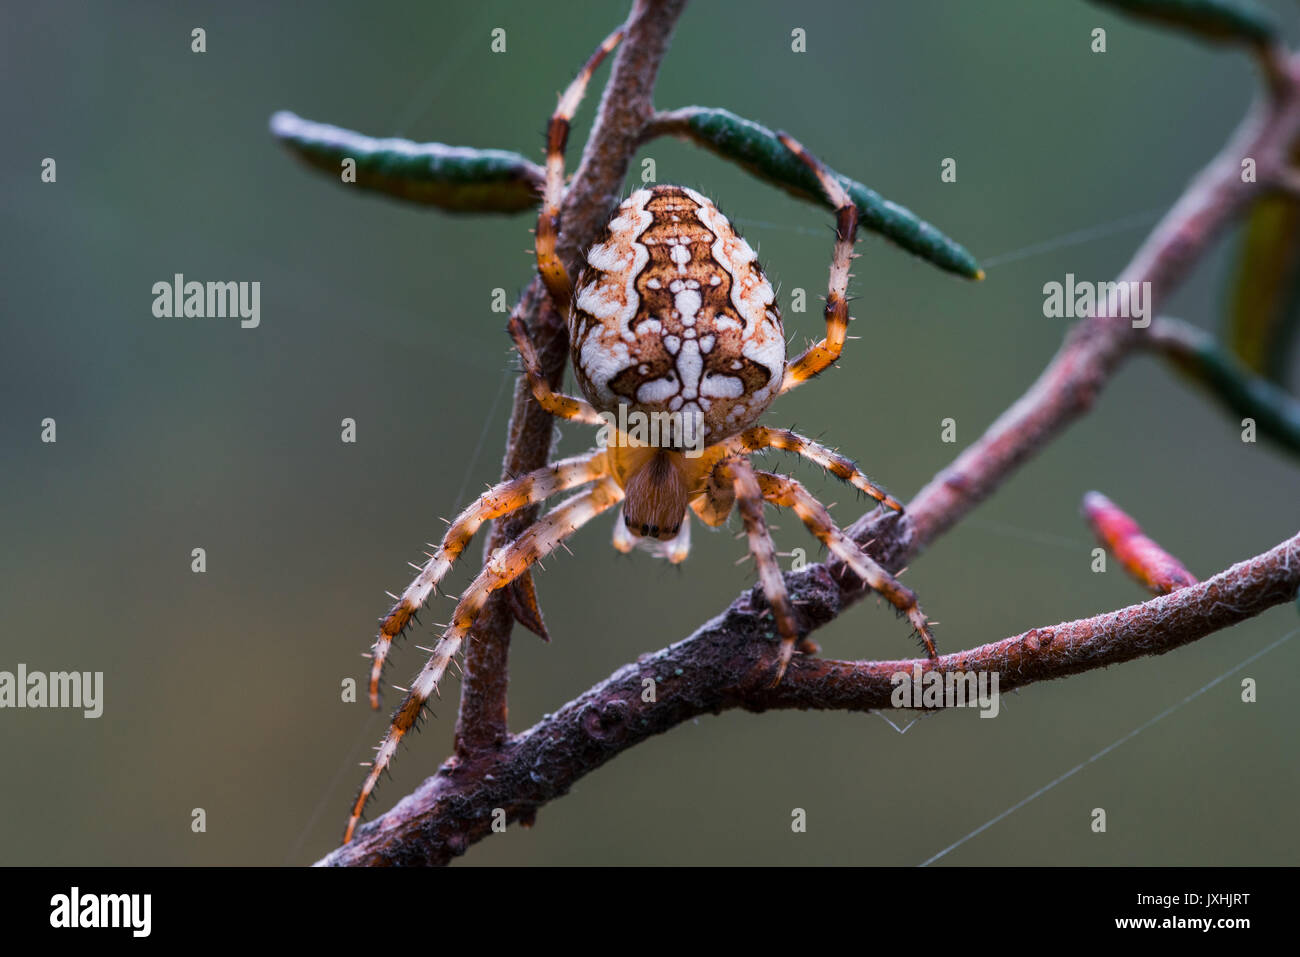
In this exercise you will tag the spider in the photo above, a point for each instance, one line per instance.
(671, 321)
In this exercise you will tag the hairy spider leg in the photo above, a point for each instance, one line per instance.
(817, 358)
(557, 403)
(549, 266)
(788, 493)
(523, 595)
(750, 503)
(761, 437)
(507, 563)
(500, 500)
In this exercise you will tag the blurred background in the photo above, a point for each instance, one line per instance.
(222, 690)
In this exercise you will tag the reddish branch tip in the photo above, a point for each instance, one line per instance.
(1143, 558)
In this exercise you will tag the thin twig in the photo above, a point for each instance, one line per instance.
(625, 107)
(1141, 556)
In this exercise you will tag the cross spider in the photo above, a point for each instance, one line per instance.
(672, 318)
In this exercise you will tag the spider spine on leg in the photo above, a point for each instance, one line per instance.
(549, 265)
(760, 437)
(789, 493)
(817, 358)
(749, 500)
(507, 563)
(498, 501)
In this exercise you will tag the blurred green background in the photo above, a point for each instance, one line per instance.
(222, 689)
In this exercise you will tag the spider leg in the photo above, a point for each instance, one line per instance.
(749, 500)
(507, 563)
(502, 499)
(557, 403)
(761, 437)
(788, 493)
(549, 265)
(816, 359)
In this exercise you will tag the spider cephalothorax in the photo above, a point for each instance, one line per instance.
(677, 344)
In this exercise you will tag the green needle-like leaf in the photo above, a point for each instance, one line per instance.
(757, 149)
(454, 178)
(1199, 357)
(1221, 21)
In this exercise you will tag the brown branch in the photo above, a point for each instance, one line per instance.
(1092, 351)
(724, 664)
(625, 107)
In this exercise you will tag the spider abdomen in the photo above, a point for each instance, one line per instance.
(673, 315)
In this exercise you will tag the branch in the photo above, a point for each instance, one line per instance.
(1093, 350)
(724, 664)
(625, 108)
(1140, 555)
